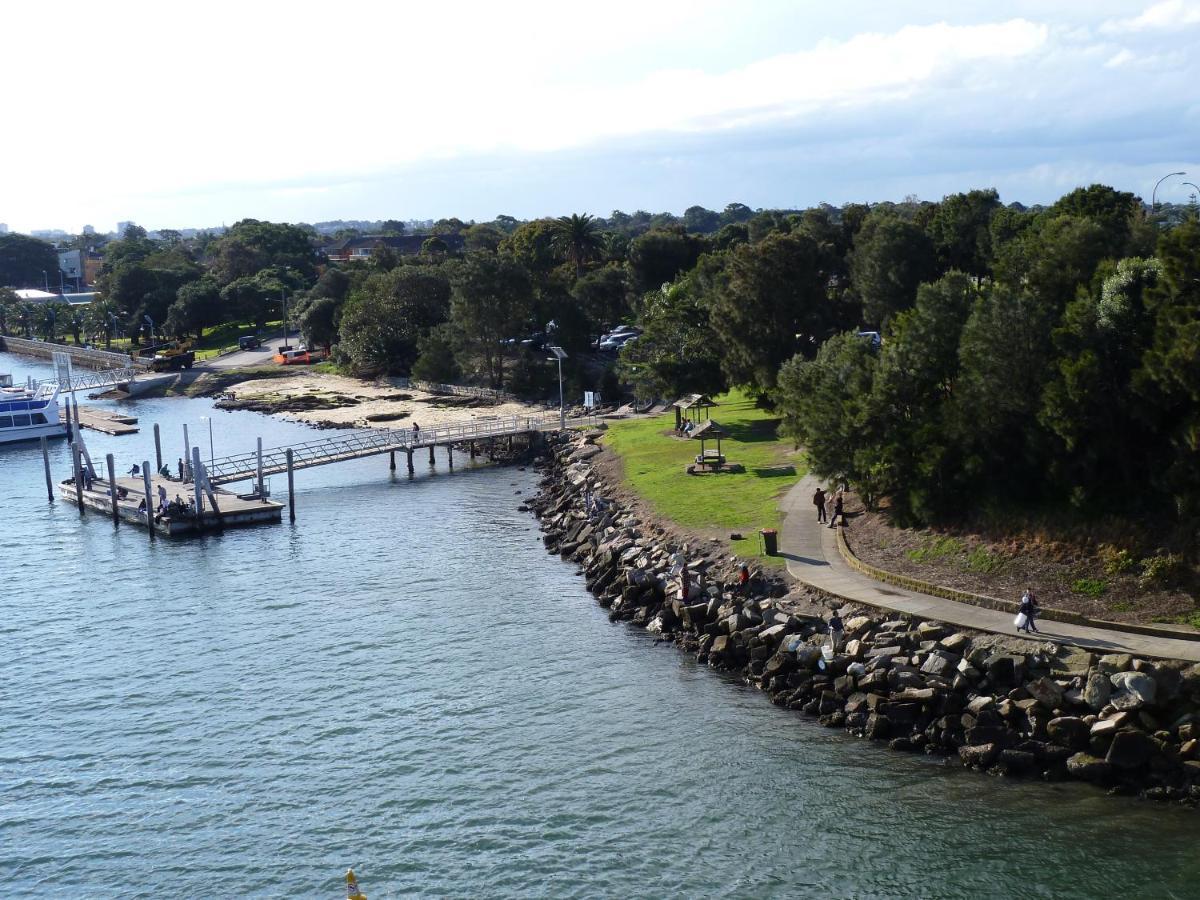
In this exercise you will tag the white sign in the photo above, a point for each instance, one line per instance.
(590, 399)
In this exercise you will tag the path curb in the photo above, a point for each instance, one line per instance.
(1054, 615)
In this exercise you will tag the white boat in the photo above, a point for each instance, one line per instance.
(27, 415)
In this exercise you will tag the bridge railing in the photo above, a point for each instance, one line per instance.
(368, 442)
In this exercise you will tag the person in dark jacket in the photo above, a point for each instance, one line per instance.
(836, 629)
(1029, 608)
(838, 511)
(819, 503)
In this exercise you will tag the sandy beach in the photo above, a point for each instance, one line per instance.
(335, 401)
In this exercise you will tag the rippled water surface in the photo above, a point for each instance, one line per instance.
(403, 681)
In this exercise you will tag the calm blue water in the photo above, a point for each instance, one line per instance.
(404, 682)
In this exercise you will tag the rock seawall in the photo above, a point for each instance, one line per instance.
(995, 703)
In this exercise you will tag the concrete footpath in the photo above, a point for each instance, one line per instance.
(812, 556)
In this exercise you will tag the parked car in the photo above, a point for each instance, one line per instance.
(249, 342)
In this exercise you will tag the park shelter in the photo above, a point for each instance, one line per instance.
(691, 406)
(709, 431)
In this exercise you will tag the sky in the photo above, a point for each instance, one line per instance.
(187, 115)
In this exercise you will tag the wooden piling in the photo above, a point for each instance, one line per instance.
(450, 455)
(149, 495)
(46, 466)
(472, 449)
(392, 460)
(77, 467)
(410, 463)
(291, 488)
(112, 488)
(431, 460)
(259, 471)
(157, 450)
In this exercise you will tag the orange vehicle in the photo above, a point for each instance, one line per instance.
(299, 357)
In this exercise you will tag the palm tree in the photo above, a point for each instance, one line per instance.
(576, 238)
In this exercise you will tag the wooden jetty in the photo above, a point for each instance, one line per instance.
(231, 510)
(376, 441)
(106, 421)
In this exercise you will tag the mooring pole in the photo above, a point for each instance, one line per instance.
(112, 487)
(157, 449)
(77, 466)
(196, 489)
(46, 466)
(187, 453)
(472, 449)
(149, 496)
(410, 464)
(431, 460)
(259, 470)
(67, 410)
(291, 489)
(450, 455)
(392, 460)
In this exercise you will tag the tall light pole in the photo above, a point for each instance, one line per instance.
(211, 455)
(560, 354)
(1195, 189)
(283, 300)
(1154, 193)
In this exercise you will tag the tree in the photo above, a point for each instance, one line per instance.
(914, 453)
(678, 352)
(1054, 258)
(770, 306)
(382, 320)
(657, 257)
(601, 294)
(1111, 210)
(492, 300)
(577, 239)
(533, 245)
(961, 231)
(436, 361)
(483, 237)
(8, 309)
(26, 261)
(318, 318)
(197, 306)
(101, 319)
(251, 246)
(393, 226)
(699, 219)
(736, 213)
(823, 404)
(1089, 403)
(891, 257)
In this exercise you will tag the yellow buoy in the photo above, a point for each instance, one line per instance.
(352, 891)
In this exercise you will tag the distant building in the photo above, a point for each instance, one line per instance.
(363, 248)
(122, 227)
(88, 229)
(49, 234)
(3, 228)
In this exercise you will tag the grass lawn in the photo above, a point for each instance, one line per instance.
(655, 467)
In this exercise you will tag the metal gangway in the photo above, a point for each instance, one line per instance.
(374, 441)
(86, 381)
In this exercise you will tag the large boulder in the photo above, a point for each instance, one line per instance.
(980, 756)
(1088, 768)
(1133, 690)
(1097, 690)
(1068, 731)
(1130, 750)
(1047, 692)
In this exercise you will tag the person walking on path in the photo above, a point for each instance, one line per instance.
(838, 510)
(829, 508)
(819, 503)
(1029, 609)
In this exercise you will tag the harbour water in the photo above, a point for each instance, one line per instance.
(404, 682)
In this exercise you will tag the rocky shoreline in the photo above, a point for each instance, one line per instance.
(995, 703)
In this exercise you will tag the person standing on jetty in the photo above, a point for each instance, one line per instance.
(819, 503)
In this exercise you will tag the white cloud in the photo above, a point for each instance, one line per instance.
(1167, 14)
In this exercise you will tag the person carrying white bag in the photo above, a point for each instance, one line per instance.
(1028, 611)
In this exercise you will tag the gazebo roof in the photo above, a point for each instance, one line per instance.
(693, 401)
(708, 431)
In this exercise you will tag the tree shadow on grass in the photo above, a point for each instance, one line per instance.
(773, 471)
(753, 432)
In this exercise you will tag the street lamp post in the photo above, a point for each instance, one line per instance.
(211, 455)
(1195, 189)
(559, 355)
(1154, 193)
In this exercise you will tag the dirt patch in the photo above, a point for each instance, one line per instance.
(1096, 579)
